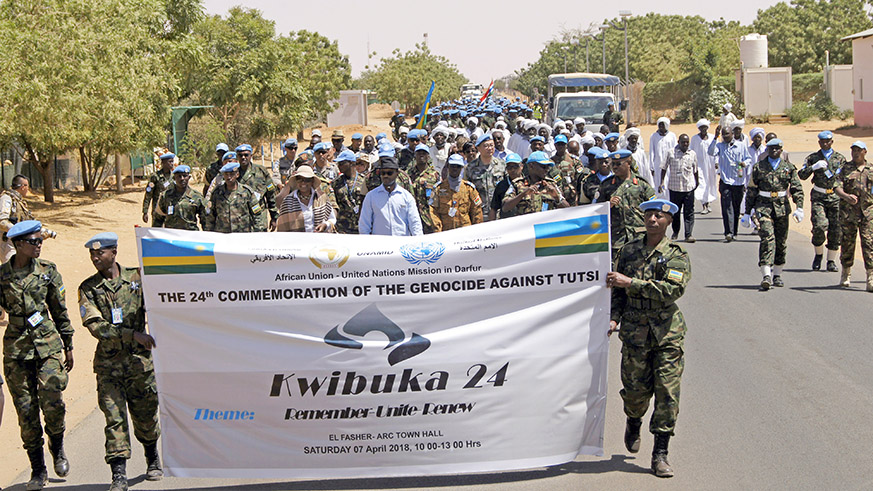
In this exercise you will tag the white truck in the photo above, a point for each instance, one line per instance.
(472, 90)
(568, 106)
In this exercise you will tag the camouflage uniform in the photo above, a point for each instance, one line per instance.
(348, 196)
(212, 171)
(329, 172)
(158, 183)
(124, 368)
(564, 173)
(772, 210)
(466, 203)
(626, 218)
(538, 201)
(856, 219)
(485, 179)
(587, 187)
(181, 210)
(38, 331)
(825, 206)
(424, 184)
(282, 170)
(259, 180)
(239, 210)
(652, 329)
(403, 180)
(13, 209)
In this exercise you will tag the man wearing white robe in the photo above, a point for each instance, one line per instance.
(638, 154)
(661, 144)
(707, 191)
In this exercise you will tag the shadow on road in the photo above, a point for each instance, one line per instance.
(617, 463)
(736, 287)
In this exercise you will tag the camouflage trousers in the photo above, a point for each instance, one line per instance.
(37, 385)
(825, 222)
(850, 230)
(774, 240)
(652, 370)
(122, 388)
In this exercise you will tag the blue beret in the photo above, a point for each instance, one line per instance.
(621, 154)
(386, 151)
(482, 139)
(222, 146)
(230, 167)
(463, 114)
(540, 158)
(537, 139)
(103, 240)
(228, 156)
(421, 147)
(598, 153)
(513, 110)
(660, 205)
(860, 144)
(245, 147)
(611, 136)
(825, 135)
(416, 134)
(346, 156)
(321, 146)
(182, 168)
(25, 227)
(380, 136)
(456, 159)
(513, 158)
(168, 156)
(560, 139)
(290, 142)
(357, 136)
(775, 142)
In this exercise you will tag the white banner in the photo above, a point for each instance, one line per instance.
(291, 355)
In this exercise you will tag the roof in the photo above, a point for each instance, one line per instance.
(862, 34)
(582, 80)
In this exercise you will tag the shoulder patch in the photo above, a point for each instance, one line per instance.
(675, 275)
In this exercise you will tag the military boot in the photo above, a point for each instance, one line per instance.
(632, 434)
(832, 267)
(38, 472)
(154, 471)
(846, 277)
(56, 448)
(816, 262)
(766, 282)
(870, 280)
(660, 466)
(119, 474)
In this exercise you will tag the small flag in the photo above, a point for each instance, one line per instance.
(576, 236)
(487, 92)
(177, 257)
(422, 118)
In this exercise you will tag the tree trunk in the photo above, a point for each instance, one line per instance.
(119, 186)
(47, 169)
(87, 183)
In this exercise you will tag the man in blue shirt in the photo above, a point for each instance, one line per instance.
(734, 161)
(389, 209)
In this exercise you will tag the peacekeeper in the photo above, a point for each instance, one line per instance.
(588, 185)
(425, 180)
(458, 203)
(233, 206)
(284, 167)
(772, 179)
(38, 330)
(537, 192)
(375, 179)
(855, 186)
(349, 190)
(651, 273)
(111, 305)
(13, 209)
(625, 193)
(258, 178)
(824, 167)
(513, 172)
(181, 206)
(159, 182)
(566, 166)
(485, 171)
(214, 168)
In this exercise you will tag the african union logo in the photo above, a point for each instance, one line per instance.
(369, 320)
(423, 252)
(330, 257)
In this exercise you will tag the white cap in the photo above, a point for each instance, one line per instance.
(728, 106)
(316, 132)
(579, 121)
(403, 129)
(703, 122)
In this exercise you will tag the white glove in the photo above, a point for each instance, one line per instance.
(821, 164)
(798, 215)
(746, 221)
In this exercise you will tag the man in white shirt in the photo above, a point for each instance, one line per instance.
(708, 189)
(389, 209)
(439, 152)
(661, 145)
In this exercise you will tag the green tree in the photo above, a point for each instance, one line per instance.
(406, 77)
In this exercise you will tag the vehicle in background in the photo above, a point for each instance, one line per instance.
(472, 90)
(568, 106)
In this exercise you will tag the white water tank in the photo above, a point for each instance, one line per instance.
(753, 51)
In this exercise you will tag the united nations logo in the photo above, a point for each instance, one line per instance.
(423, 252)
(330, 257)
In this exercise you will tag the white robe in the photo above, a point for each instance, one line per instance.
(644, 164)
(707, 192)
(660, 147)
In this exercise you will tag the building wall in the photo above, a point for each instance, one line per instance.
(862, 61)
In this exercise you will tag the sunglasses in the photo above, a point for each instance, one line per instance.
(388, 172)
(34, 242)
(292, 148)
(244, 154)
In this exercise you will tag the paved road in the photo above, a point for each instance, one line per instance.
(777, 394)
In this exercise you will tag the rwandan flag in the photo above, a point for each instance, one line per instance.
(576, 236)
(422, 118)
(177, 257)
(487, 92)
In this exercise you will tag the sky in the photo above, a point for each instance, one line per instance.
(486, 40)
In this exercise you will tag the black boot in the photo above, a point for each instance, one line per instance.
(154, 472)
(56, 448)
(816, 262)
(119, 474)
(632, 434)
(832, 267)
(38, 472)
(660, 466)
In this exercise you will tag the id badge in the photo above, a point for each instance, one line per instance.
(170, 210)
(452, 212)
(357, 209)
(166, 184)
(35, 319)
(828, 173)
(116, 315)
(545, 207)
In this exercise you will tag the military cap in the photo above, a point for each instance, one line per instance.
(611, 136)
(321, 146)
(825, 135)
(513, 157)
(621, 154)
(537, 139)
(540, 158)
(598, 153)
(380, 136)
(337, 134)
(357, 136)
(860, 144)
(245, 147)
(346, 156)
(610, 103)
(560, 139)
(230, 167)
(456, 159)
(386, 151)
(660, 205)
(421, 147)
(25, 227)
(103, 240)
(482, 139)
(774, 143)
(182, 168)
(228, 156)
(388, 162)
(221, 146)
(290, 142)
(168, 156)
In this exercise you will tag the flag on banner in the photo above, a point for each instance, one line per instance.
(422, 118)
(487, 92)
(177, 257)
(575, 236)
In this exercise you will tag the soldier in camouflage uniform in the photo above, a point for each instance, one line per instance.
(111, 305)
(260, 181)
(485, 171)
(855, 186)
(566, 166)
(13, 209)
(651, 274)
(181, 206)
(536, 192)
(824, 167)
(425, 180)
(233, 206)
(773, 179)
(457, 203)
(284, 167)
(589, 180)
(159, 182)
(625, 193)
(38, 331)
(349, 191)
(213, 170)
